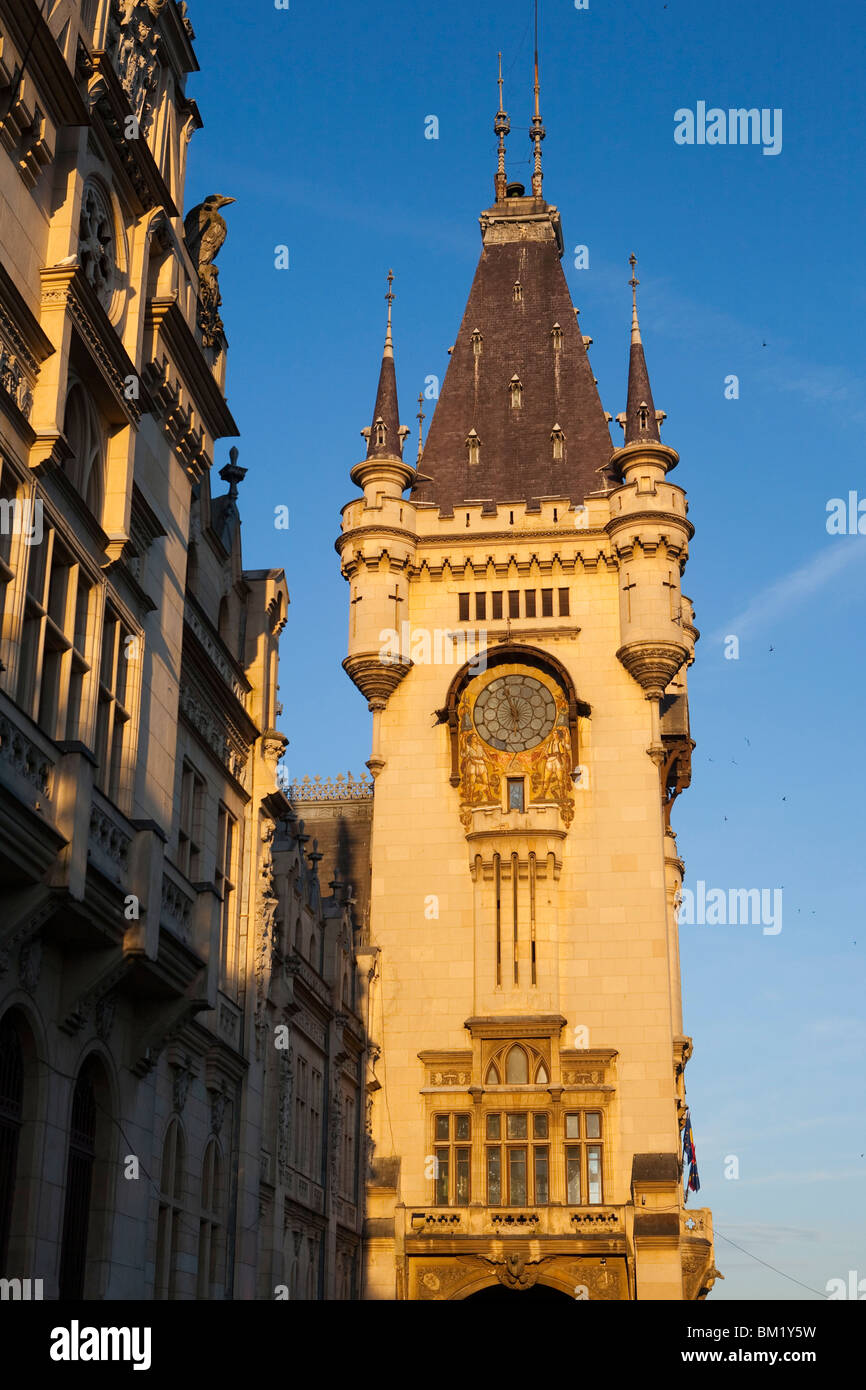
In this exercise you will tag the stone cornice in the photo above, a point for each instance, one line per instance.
(31, 35)
(21, 325)
(67, 286)
(624, 519)
(165, 317)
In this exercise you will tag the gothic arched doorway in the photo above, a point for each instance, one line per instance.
(543, 1291)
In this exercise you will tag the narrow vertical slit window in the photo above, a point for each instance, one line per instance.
(497, 603)
(463, 607)
(514, 892)
(532, 956)
(529, 603)
(481, 605)
(547, 603)
(514, 603)
(563, 603)
(497, 886)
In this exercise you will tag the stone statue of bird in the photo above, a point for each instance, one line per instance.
(205, 229)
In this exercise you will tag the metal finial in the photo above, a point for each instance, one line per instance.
(634, 282)
(420, 417)
(389, 345)
(501, 127)
(537, 133)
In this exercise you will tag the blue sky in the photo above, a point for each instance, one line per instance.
(749, 265)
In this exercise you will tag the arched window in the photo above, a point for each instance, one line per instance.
(492, 1077)
(11, 1118)
(541, 1075)
(211, 1239)
(171, 1201)
(79, 1186)
(85, 434)
(516, 1067)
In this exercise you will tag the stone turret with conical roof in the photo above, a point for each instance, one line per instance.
(641, 421)
(649, 535)
(383, 476)
(385, 436)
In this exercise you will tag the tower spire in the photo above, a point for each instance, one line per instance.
(420, 417)
(389, 342)
(641, 424)
(501, 127)
(537, 133)
(385, 437)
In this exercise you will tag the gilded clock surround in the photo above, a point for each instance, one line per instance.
(546, 766)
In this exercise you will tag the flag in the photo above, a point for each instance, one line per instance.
(690, 1156)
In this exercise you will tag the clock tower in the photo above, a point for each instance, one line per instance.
(518, 628)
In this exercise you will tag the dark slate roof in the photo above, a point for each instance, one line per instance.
(522, 243)
(639, 394)
(387, 411)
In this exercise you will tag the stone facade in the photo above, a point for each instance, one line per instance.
(181, 1054)
(518, 628)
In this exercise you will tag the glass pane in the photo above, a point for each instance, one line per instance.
(541, 1075)
(539, 1126)
(517, 1067)
(517, 1126)
(572, 1176)
(494, 1126)
(441, 1123)
(461, 1126)
(593, 1125)
(572, 1126)
(441, 1176)
(593, 1172)
(515, 794)
(494, 1175)
(541, 1186)
(517, 1177)
(461, 1165)
(492, 1077)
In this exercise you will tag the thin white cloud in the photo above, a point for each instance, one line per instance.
(789, 591)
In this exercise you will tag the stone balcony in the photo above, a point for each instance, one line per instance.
(607, 1224)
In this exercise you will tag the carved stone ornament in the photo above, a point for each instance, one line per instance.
(96, 243)
(180, 1086)
(104, 1012)
(516, 1271)
(30, 964)
(218, 1100)
(548, 766)
(133, 44)
(284, 1117)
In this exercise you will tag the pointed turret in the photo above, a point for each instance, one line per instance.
(385, 437)
(641, 424)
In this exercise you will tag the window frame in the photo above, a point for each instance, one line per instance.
(457, 1160)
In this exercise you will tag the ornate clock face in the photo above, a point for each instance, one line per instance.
(514, 713)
